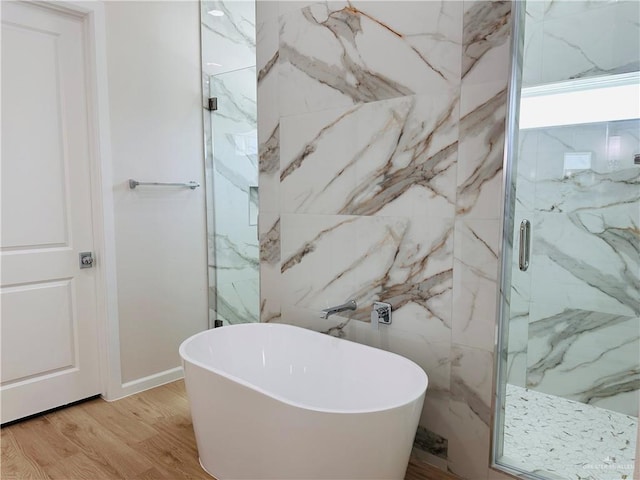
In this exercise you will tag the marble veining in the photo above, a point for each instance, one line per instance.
(400, 265)
(270, 153)
(236, 25)
(351, 68)
(516, 360)
(232, 255)
(239, 103)
(228, 55)
(267, 54)
(270, 244)
(237, 301)
(486, 26)
(470, 411)
(269, 67)
(588, 189)
(268, 316)
(368, 170)
(396, 151)
(228, 41)
(486, 123)
(422, 169)
(367, 87)
(464, 389)
(236, 170)
(232, 176)
(309, 246)
(475, 282)
(558, 46)
(580, 298)
(585, 356)
(587, 237)
(622, 288)
(311, 146)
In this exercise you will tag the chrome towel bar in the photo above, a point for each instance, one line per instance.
(192, 185)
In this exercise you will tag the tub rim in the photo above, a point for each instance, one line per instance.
(280, 398)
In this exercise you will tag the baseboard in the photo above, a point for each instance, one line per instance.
(146, 383)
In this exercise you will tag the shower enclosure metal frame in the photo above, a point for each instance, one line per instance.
(506, 244)
(505, 251)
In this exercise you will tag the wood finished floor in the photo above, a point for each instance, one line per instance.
(146, 436)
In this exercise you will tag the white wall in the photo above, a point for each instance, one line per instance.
(153, 55)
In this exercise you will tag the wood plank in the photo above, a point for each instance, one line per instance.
(82, 467)
(153, 474)
(127, 427)
(180, 429)
(151, 405)
(15, 464)
(98, 443)
(178, 388)
(171, 457)
(48, 446)
(148, 436)
(418, 470)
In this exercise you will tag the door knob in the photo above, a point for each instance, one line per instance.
(86, 259)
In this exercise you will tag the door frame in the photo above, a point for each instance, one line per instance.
(92, 15)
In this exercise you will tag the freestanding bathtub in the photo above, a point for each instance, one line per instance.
(273, 401)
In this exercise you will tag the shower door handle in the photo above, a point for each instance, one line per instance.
(524, 250)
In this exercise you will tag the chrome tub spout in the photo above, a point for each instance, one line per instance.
(350, 305)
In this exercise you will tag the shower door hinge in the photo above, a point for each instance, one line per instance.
(212, 104)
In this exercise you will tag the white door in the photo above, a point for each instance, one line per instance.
(48, 326)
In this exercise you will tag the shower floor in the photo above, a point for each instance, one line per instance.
(563, 439)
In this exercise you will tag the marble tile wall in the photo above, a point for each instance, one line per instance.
(560, 43)
(229, 64)
(581, 294)
(381, 132)
(579, 274)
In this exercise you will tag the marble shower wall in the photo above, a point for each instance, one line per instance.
(229, 63)
(381, 133)
(561, 42)
(574, 328)
(582, 292)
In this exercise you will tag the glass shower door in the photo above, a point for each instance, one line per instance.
(228, 40)
(235, 192)
(570, 380)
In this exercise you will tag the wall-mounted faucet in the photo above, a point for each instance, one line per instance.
(381, 313)
(350, 305)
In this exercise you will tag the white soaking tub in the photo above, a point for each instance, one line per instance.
(273, 401)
